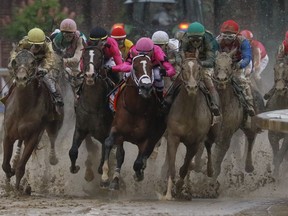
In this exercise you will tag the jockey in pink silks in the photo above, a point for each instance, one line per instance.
(112, 54)
(162, 67)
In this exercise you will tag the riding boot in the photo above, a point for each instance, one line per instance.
(50, 83)
(214, 102)
(249, 100)
(4, 99)
(269, 94)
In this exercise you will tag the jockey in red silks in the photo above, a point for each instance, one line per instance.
(283, 48)
(260, 58)
(146, 46)
(112, 54)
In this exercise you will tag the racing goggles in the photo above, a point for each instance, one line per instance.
(102, 41)
(228, 36)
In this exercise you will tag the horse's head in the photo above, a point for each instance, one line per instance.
(223, 68)
(190, 75)
(93, 59)
(23, 67)
(281, 75)
(142, 74)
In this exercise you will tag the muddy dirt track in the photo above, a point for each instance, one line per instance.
(55, 191)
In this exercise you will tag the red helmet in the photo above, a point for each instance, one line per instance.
(118, 33)
(247, 34)
(230, 26)
(144, 44)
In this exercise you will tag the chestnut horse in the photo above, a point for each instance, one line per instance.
(93, 115)
(233, 113)
(136, 120)
(29, 110)
(279, 100)
(190, 122)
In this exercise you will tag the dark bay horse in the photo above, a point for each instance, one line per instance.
(136, 120)
(190, 122)
(279, 100)
(233, 113)
(29, 110)
(93, 115)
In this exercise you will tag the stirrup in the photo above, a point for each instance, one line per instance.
(215, 110)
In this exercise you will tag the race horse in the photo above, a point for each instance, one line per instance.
(233, 113)
(279, 100)
(189, 121)
(93, 115)
(136, 120)
(29, 111)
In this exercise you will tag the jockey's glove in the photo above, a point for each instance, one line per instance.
(108, 68)
(238, 65)
(163, 72)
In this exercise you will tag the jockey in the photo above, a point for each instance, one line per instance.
(283, 48)
(124, 44)
(146, 46)
(260, 58)
(282, 53)
(197, 38)
(229, 40)
(41, 47)
(169, 46)
(112, 54)
(69, 43)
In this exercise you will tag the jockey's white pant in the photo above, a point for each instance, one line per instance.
(257, 72)
(158, 79)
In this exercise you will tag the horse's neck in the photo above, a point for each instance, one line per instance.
(28, 96)
(94, 96)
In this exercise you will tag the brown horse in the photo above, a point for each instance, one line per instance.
(279, 100)
(29, 110)
(136, 121)
(93, 115)
(190, 122)
(233, 113)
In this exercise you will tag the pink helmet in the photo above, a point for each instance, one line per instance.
(68, 25)
(144, 44)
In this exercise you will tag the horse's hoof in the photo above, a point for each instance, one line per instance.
(104, 184)
(89, 175)
(75, 170)
(114, 185)
(179, 184)
(28, 190)
(53, 161)
(249, 169)
(100, 170)
(138, 177)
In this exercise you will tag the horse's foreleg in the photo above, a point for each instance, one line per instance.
(8, 151)
(218, 155)
(73, 152)
(249, 162)
(17, 154)
(92, 151)
(30, 145)
(120, 155)
(274, 139)
(109, 142)
(52, 131)
(172, 146)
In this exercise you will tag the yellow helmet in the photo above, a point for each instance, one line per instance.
(36, 36)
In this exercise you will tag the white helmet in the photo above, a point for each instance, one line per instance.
(160, 37)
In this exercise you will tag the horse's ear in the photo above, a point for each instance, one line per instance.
(13, 64)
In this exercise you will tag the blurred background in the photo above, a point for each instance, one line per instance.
(267, 19)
